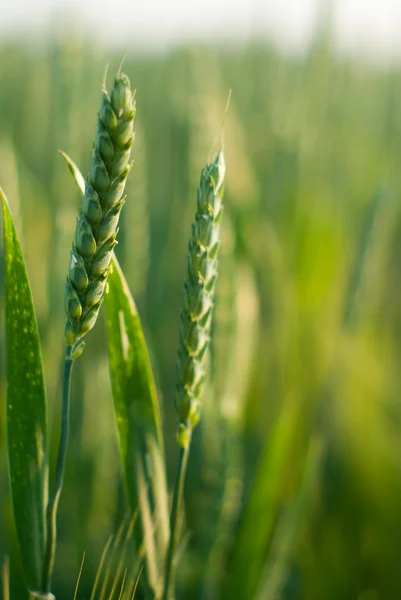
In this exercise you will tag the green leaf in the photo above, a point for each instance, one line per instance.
(370, 231)
(256, 527)
(76, 173)
(284, 545)
(26, 409)
(138, 422)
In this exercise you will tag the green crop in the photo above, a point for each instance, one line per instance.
(97, 225)
(285, 387)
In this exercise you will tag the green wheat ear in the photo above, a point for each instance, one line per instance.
(196, 314)
(195, 327)
(97, 224)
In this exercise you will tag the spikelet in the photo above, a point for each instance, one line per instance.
(97, 225)
(196, 314)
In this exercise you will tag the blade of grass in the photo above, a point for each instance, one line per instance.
(114, 549)
(138, 422)
(79, 576)
(26, 409)
(5, 577)
(100, 568)
(373, 216)
(122, 585)
(258, 519)
(123, 552)
(285, 537)
(136, 584)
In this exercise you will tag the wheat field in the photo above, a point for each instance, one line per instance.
(293, 487)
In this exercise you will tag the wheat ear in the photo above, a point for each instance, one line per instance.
(196, 314)
(97, 224)
(195, 327)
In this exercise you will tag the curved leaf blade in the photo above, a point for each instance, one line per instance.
(75, 172)
(26, 408)
(138, 422)
(256, 526)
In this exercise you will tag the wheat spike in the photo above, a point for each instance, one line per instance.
(196, 314)
(97, 224)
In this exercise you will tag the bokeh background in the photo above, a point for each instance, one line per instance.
(294, 484)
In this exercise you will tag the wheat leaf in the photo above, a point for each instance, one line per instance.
(258, 519)
(138, 423)
(26, 408)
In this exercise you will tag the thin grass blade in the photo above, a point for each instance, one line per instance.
(136, 584)
(111, 560)
(79, 577)
(122, 585)
(5, 578)
(99, 571)
(120, 562)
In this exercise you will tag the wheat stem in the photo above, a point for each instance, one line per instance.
(52, 506)
(168, 592)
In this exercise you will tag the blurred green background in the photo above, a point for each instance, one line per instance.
(294, 483)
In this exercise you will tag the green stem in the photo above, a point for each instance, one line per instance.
(168, 592)
(51, 513)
